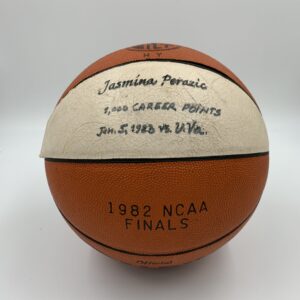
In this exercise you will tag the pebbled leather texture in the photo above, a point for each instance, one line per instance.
(157, 213)
(215, 197)
(176, 52)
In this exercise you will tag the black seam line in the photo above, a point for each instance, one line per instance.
(159, 254)
(187, 62)
(152, 50)
(155, 160)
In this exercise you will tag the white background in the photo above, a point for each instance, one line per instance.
(44, 45)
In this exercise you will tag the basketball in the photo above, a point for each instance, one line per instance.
(156, 155)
